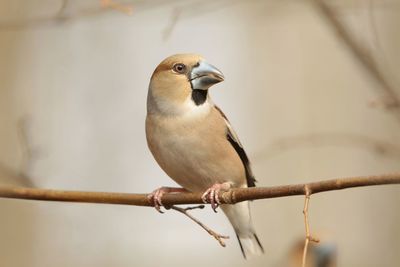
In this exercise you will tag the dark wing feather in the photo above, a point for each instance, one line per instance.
(235, 142)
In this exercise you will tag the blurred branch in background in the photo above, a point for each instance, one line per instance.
(361, 53)
(176, 14)
(328, 139)
(124, 8)
(8, 176)
(29, 152)
(194, 9)
(64, 14)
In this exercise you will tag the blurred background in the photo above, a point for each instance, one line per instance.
(311, 88)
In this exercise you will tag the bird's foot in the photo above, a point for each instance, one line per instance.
(211, 195)
(156, 195)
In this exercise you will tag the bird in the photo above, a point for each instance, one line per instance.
(194, 143)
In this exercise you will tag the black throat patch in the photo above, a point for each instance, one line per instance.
(199, 96)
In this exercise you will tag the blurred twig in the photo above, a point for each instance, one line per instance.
(176, 13)
(29, 152)
(21, 177)
(126, 9)
(392, 102)
(376, 40)
(62, 15)
(193, 9)
(10, 177)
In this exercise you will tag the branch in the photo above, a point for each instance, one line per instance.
(230, 197)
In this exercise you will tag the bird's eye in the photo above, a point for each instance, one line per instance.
(179, 68)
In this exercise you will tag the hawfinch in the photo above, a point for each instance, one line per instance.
(194, 143)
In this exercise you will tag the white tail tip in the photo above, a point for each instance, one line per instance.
(250, 245)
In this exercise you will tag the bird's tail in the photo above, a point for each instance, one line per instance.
(240, 218)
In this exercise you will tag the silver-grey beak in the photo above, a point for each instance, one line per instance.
(204, 75)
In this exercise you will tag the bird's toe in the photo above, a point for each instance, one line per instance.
(155, 197)
(211, 195)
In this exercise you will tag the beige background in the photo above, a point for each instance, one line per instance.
(72, 108)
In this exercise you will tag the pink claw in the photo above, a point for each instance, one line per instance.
(157, 194)
(155, 197)
(211, 195)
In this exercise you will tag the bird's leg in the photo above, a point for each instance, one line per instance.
(211, 195)
(157, 194)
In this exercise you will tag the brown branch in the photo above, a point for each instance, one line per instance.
(229, 197)
(363, 56)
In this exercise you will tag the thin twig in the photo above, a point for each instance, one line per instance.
(230, 197)
(217, 236)
(195, 207)
(307, 226)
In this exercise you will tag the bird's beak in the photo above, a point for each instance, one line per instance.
(204, 75)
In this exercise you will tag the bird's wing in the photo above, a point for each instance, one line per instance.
(235, 142)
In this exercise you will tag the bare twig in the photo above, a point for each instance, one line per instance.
(218, 237)
(307, 226)
(230, 197)
(362, 55)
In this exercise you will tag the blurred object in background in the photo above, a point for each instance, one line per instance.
(323, 254)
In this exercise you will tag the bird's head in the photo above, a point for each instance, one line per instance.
(182, 78)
